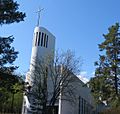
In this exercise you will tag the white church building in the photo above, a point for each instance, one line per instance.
(43, 45)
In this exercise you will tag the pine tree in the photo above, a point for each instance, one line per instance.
(111, 46)
(7, 55)
(9, 12)
(105, 85)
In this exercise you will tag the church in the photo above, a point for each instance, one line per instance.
(44, 45)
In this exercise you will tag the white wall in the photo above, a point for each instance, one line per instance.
(68, 107)
(41, 52)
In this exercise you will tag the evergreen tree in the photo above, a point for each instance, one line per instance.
(11, 92)
(111, 46)
(7, 55)
(8, 82)
(9, 12)
(105, 85)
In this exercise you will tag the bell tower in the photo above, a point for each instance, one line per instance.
(43, 45)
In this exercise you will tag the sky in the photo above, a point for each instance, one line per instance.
(78, 25)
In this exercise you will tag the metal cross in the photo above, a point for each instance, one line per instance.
(39, 11)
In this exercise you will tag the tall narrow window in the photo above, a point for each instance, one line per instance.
(36, 38)
(42, 39)
(87, 111)
(79, 105)
(47, 41)
(39, 38)
(82, 106)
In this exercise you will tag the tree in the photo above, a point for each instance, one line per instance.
(9, 12)
(66, 66)
(11, 87)
(7, 54)
(50, 79)
(106, 83)
(16, 96)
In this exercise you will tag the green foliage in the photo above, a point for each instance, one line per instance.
(11, 92)
(9, 81)
(102, 90)
(9, 12)
(7, 54)
(4, 94)
(10, 85)
(106, 81)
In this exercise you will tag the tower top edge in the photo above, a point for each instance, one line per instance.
(42, 29)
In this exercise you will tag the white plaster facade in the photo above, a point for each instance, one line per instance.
(83, 100)
(44, 45)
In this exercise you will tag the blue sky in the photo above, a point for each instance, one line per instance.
(77, 24)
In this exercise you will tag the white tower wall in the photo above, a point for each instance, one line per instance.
(43, 46)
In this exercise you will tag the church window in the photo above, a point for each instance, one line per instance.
(39, 38)
(47, 41)
(82, 106)
(42, 39)
(79, 105)
(86, 109)
(36, 38)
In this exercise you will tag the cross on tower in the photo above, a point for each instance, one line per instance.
(39, 11)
